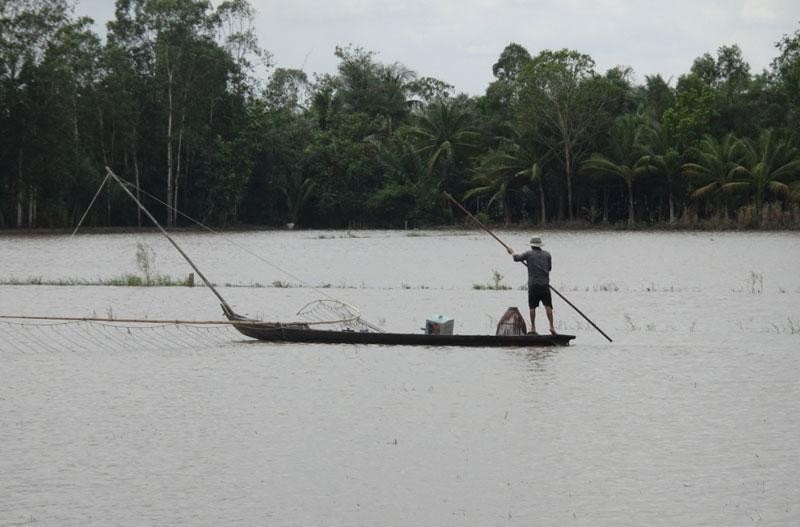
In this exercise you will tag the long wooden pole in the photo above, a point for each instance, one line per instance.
(225, 307)
(511, 251)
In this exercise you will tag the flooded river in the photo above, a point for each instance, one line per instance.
(690, 417)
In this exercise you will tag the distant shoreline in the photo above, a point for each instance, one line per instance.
(708, 226)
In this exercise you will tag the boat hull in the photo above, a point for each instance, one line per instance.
(275, 333)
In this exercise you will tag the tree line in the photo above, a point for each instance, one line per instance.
(171, 100)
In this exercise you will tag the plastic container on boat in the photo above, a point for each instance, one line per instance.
(439, 325)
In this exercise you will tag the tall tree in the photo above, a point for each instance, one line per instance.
(27, 28)
(690, 116)
(666, 161)
(70, 81)
(558, 97)
(238, 35)
(287, 89)
(627, 158)
(768, 166)
(786, 67)
(657, 96)
(171, 38)
(716, 164)
(408, 194)
(731, 88)
(446, 136)
(375, 89)
(513, 168)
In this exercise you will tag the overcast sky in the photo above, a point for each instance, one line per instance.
(457, 41)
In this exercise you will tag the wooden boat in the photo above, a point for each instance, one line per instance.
(276, 332)
(282, 333)
(299, 332)
(303, 332)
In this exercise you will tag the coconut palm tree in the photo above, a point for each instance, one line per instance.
(506, 171)
(627, 157)
(665, 160)
(794, 191)
(444, 134)
(769, 164)
(669, 165)
(716, 165)
(407, 191)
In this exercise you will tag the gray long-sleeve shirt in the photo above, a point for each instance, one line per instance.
(539, 265)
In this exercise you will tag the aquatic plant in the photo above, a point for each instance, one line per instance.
(606, 286)
(629, 322)
(496, 285)
(756, 283)
(145, 260)
(126, 280)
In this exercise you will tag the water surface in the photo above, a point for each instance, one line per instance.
(688, 418)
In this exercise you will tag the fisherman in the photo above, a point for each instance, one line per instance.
(539, 265)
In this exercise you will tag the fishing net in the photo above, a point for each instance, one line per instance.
(512, 323)
(80, 336)
(331, 312)
(43, 334)
(334, 314)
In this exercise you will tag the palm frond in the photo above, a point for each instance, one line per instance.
(695, 170)
(705, 190)
(735, 186)
(778, 188)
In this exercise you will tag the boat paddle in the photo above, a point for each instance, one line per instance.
(511, 251)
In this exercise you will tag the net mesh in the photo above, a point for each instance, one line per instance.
(77, 336)
(512, 323)
(335, 315)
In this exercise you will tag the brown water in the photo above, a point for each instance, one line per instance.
(688, 418)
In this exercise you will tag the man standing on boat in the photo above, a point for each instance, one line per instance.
(539, 264)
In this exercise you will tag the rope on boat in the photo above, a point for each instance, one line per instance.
(364, 324)
(96, 194)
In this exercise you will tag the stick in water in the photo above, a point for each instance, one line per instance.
(511, 251)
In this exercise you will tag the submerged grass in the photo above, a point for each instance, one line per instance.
(127, 280)
(490, 287)
(790, 327)
(496, 285)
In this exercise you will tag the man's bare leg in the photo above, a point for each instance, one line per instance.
(549, 311)
(533, 320)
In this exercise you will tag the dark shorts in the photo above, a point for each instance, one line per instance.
(539, 293)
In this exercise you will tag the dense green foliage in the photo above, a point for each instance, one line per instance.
(171, 102)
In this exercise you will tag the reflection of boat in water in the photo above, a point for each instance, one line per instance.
(342, 323)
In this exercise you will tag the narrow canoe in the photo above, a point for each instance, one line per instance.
(272, 332)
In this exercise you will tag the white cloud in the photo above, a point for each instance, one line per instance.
(758, 10)
(459, 40)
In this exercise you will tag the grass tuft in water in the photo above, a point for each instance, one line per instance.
(605, 286)
(630, 324)
(756, 283)
(127, 280)
(496, 285)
